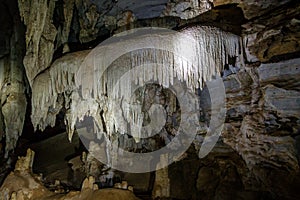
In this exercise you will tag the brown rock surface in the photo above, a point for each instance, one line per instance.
(22, 184)
(274, 35)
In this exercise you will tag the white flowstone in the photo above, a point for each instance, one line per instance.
(195, 55)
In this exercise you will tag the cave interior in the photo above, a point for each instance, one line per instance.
(187, 99)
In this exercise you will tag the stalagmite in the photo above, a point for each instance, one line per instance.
(25, 163)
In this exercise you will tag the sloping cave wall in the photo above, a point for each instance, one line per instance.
(257, 156)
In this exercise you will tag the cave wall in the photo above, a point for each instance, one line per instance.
(13, 81)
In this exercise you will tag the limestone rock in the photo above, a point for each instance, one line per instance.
(249, 40)
(49, 90)
(51, 82)
(40, 35)
(12, 80)
(88, 23)
(88, 183)
(161, 186)
(253, 8)
(130, 188)
(258, 151)
(282, 74)
(126, 18)
(118, 185)
(286, 103)
(206, 179)
(5, 30)
(15, 101)
(25, 163)
(255, 145)
(124, 185)
(68, 10)
(141, 9)
(23, 185)
(186, 9)
(262, 117)
(272, 37)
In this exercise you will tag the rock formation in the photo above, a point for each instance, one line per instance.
(47, 79)
(23, 184)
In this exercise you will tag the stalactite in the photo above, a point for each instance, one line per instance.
(48, 85)
(209, 55)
